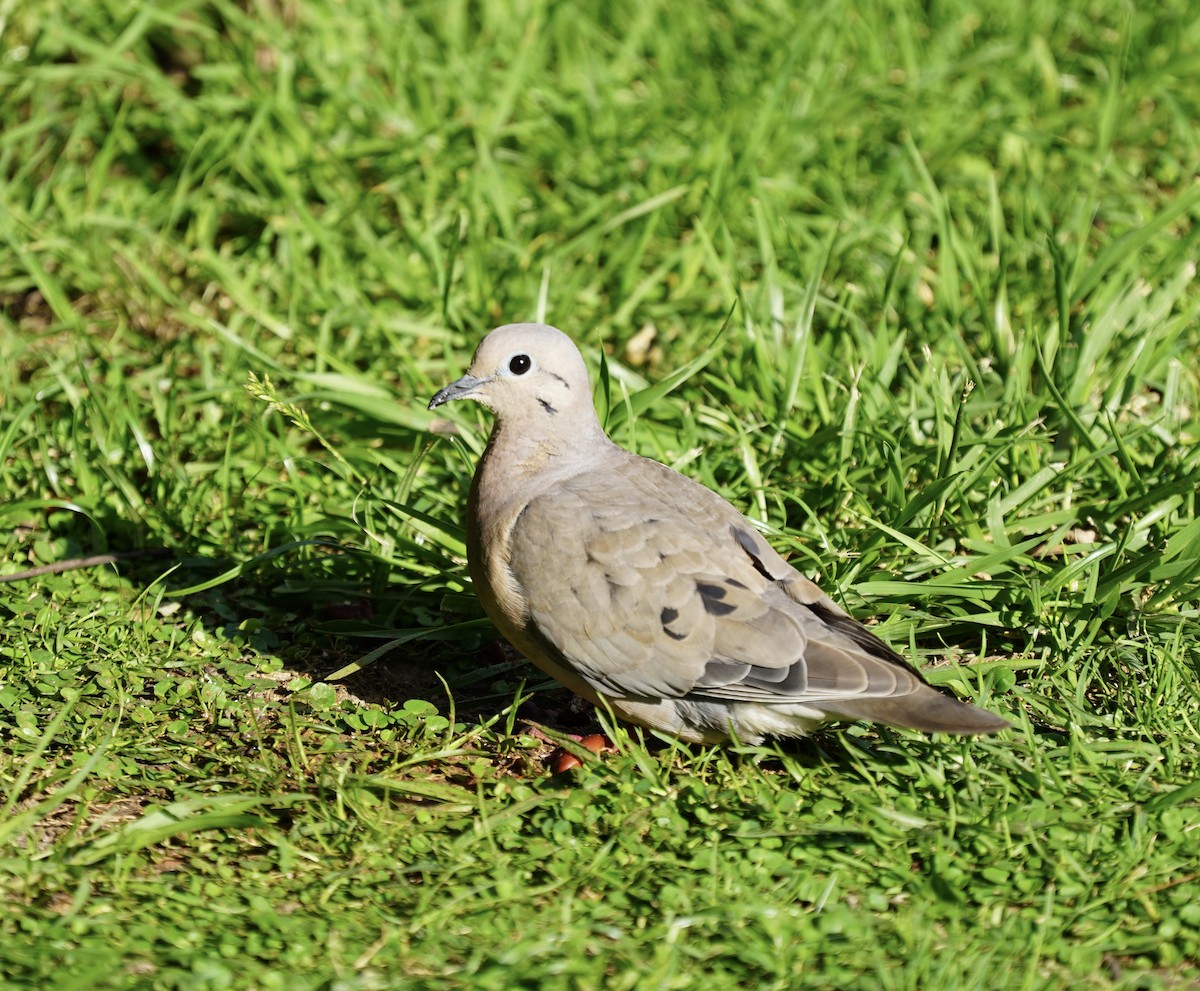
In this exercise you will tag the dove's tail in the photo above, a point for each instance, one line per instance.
(927, 709)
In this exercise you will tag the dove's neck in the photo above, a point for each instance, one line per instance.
(517, 467)
(527, 462)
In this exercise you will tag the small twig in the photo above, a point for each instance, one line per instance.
(1171, 884)
(75, 563)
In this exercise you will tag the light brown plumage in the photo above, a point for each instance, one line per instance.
(637, 587)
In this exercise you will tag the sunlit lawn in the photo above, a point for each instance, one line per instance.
(913, 286)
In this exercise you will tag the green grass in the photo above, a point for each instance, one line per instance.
(952, 247)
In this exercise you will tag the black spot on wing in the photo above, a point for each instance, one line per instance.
(547, 407)
(711, 596)
(566, 385)
(747, 543)
(667, 617)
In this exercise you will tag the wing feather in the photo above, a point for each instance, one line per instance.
(653, 587)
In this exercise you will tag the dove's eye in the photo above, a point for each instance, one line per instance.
(519, 364)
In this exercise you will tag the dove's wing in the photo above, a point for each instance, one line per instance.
(650, 586)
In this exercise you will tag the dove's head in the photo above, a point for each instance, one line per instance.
(529, 373)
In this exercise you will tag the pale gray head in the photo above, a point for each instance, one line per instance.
(530, 373)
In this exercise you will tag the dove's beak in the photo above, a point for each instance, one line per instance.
(462, 389)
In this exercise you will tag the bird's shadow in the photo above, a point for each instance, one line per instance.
(479, 679)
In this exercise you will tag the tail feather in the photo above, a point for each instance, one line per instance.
(927, 709)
